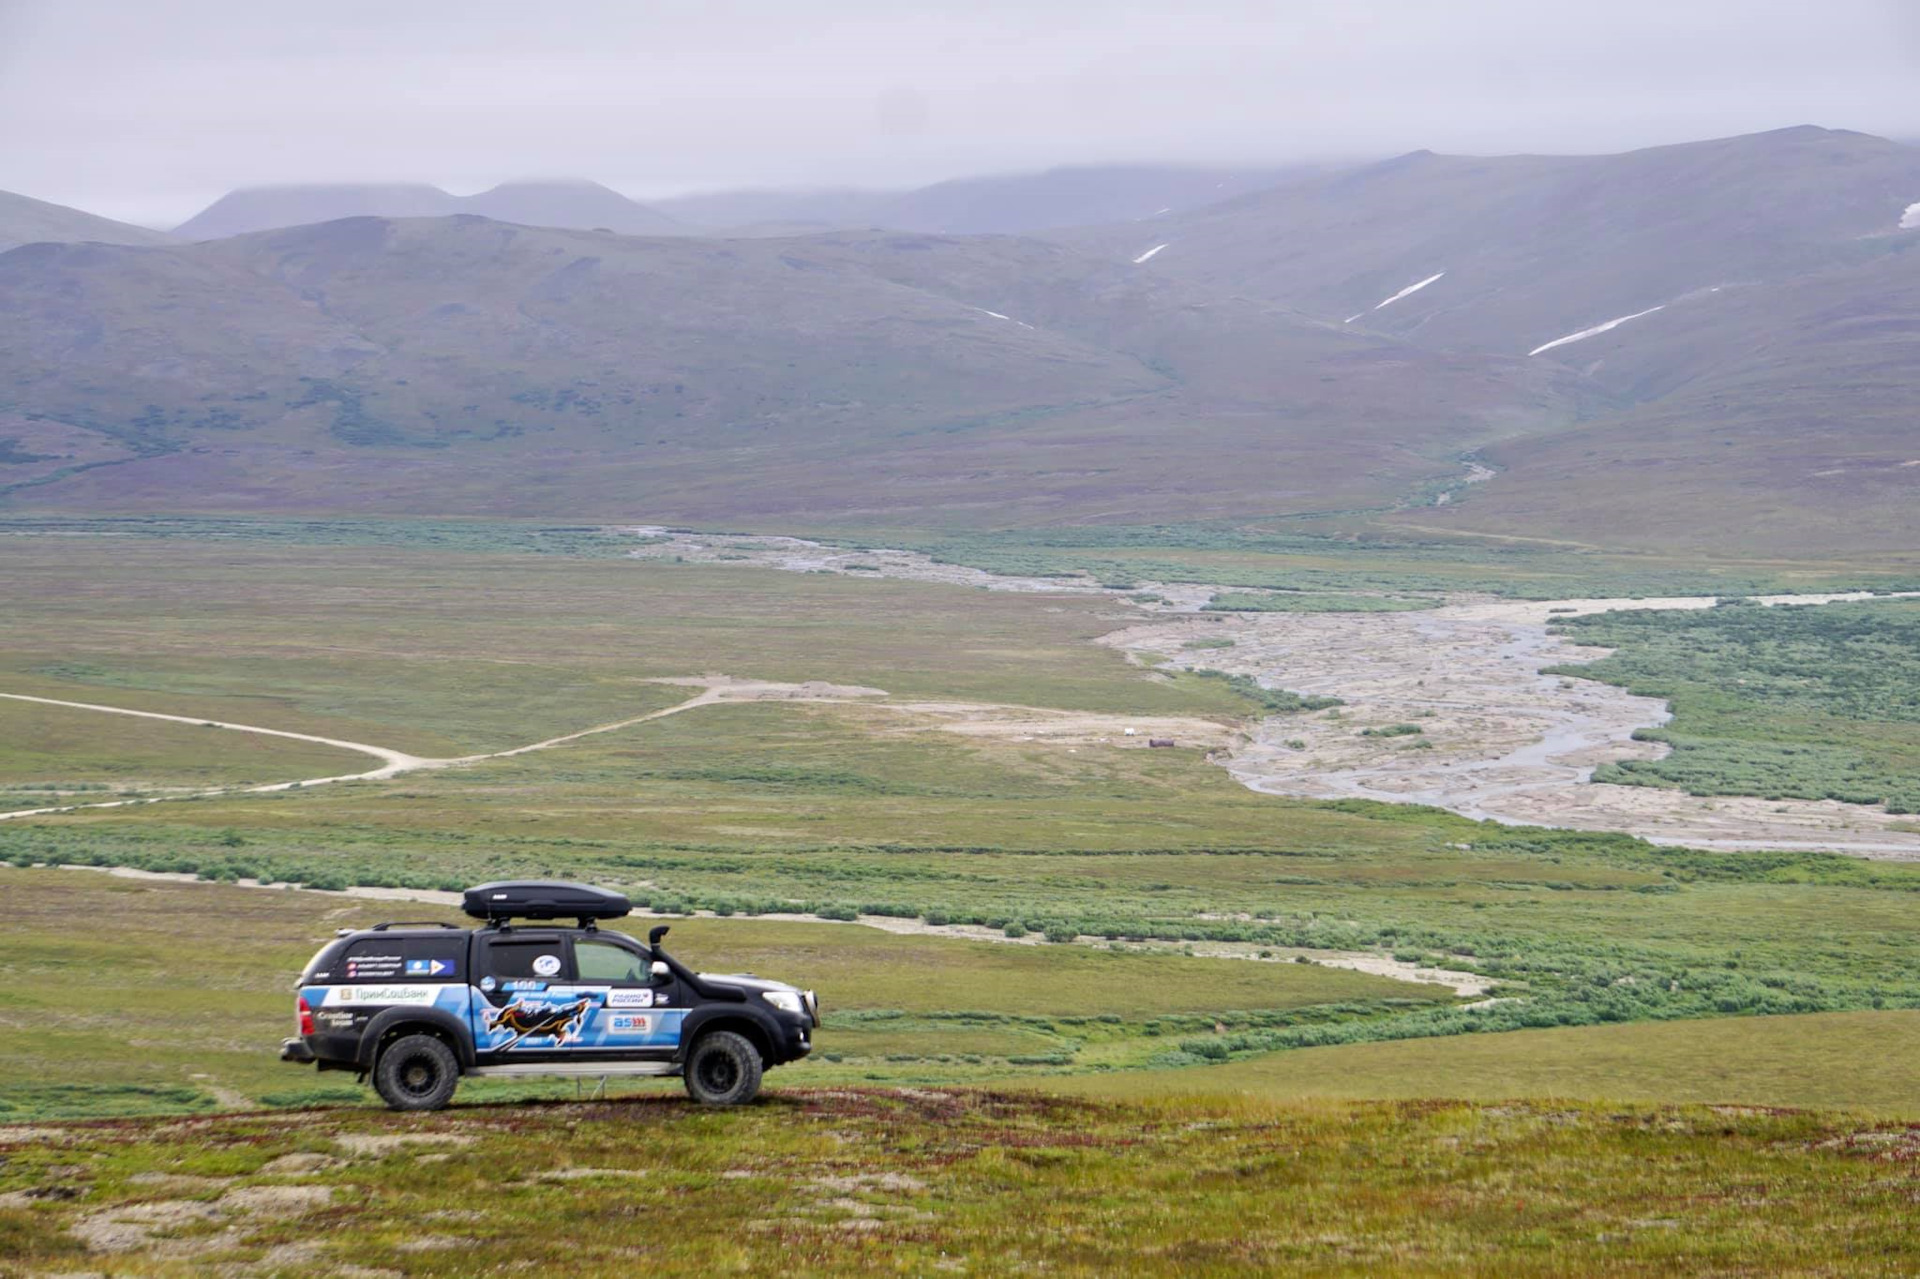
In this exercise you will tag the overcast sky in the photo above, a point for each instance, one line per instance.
(147, 110)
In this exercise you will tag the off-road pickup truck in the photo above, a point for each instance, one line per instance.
(414, 1007)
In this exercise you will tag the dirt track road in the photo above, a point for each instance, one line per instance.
(714, 688)
(1069, 729)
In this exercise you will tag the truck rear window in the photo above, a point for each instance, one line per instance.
(388, 959)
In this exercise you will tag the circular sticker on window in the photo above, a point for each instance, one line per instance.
(547, 965)
(486, 983)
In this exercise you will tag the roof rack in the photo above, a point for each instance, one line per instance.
(536, 899)
(414, 923)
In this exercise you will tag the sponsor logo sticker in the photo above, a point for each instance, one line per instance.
(532, 1020)
(546, 965)
(629, 999)
(486, 983)
(429, 967)
(374, 966)
(383, 995)
(632, 1024)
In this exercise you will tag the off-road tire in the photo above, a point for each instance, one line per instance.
(416, 1072)
(723, 1070)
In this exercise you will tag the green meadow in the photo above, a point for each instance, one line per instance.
(1069, 914)
(1785, 702)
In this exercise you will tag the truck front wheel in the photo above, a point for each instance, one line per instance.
(723, 1070)
(416, 1072)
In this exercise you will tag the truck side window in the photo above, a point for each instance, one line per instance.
(543, 958)
(604, 961)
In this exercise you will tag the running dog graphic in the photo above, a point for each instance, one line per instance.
(558, 1022)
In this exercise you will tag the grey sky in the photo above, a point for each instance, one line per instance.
(146, 110)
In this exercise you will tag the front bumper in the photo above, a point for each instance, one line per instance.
(295, 1050)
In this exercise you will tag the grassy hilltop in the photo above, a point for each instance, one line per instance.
(852, 1181)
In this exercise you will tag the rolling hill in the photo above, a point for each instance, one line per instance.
(777, 211)
(1010, 204)
(1698, 348)
(460, 364)
(1775, 418)
(24, 220)
(1511, 253)
(263, 208)
(1016, 204)
(1742, 312)
(576, 204)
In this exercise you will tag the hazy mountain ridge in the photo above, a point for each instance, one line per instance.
(996, 204)
(24, 220)
(1023, 203)
(1711, 345)
(1772, 418)
(570, 203)
(442, 363)
(1530, 249)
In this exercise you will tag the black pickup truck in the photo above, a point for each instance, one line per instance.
(416, 1006)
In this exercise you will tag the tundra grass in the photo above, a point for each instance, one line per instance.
(848, 1181)
(1805, 703)
(52, 755)
(120, 995)
(1357, 553)
(778, 809)
(440, 654)
(1337, 554)
(838, 811)
(1865, 1061)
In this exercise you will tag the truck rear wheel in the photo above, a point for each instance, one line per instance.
(416, 1072)
(723, 1070)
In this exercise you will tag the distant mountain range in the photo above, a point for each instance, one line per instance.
(1011, 204)
(565, 204)
(25, 221)
(1711, 347)
(459, 364)
(1515, 252)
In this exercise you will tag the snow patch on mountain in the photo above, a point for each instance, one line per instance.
(996, 315)
(1595, 330)
(1148, 254)
(1411, 288)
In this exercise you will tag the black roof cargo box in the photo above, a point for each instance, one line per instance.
(543, 899)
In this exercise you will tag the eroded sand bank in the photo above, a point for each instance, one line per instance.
(1499, 740)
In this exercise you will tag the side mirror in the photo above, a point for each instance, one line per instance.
(660, 968)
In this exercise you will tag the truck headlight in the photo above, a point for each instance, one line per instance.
(787, 1001)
